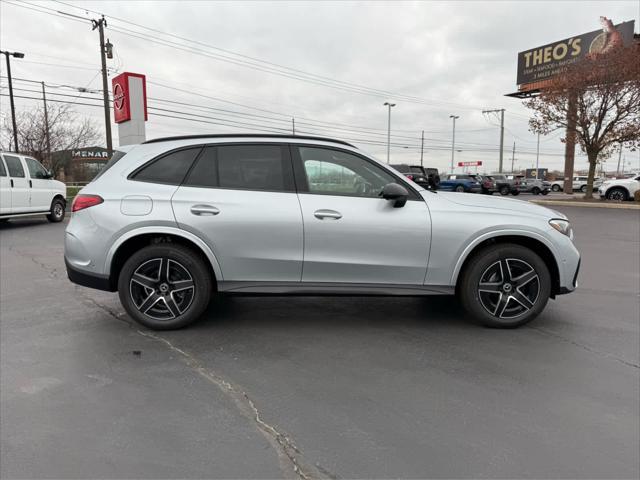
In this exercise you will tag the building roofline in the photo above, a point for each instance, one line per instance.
(248, 135)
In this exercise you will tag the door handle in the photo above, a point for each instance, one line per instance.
(205, 210)
(12, 183)
(322, 214)
(30, 184)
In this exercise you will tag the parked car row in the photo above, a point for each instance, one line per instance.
(579, 184)
(504, 184)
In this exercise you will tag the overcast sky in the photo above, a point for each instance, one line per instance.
(450, 57)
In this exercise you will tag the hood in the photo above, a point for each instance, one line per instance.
(500, 203)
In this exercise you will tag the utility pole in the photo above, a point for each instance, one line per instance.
(513, 156)
(46, 127)
(501, 111)
(104, 51)
(570, 144)
(619, 158)
(453, 139)
(538, 156)
(389, 130)
(13, 107)
(422, 148)
(293, 126)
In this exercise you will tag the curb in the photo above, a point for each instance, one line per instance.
(620, 206)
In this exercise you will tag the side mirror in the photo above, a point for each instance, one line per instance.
(48, 175)
(395, 192)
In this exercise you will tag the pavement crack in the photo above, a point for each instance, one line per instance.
(584, 347)
(290, 457)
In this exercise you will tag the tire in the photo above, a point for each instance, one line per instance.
(162, 301)
(583, 188)
(459, 188)
(618, 194)
(504, 190)
(504, 270)
(545, 192)
(556, 188)
(535, 191)
(515, 193)
(57, 211)
(4, 220)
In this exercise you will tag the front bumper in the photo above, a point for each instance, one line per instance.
(574, 283)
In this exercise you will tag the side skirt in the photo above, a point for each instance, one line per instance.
(331, 289)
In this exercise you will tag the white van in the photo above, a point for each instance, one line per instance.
(27, 188)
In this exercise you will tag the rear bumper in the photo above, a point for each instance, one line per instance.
(91, 280)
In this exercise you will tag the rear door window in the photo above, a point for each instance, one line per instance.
(3, 171)
(14, 165)
(255, 167)
(169, 169)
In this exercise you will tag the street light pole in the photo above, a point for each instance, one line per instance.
(453, 139)
(13, 107)
(389, 130)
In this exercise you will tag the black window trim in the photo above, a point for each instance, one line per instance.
(4, 168)
(284, 147)
(301, 180)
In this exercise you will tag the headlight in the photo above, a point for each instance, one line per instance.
(563, 226)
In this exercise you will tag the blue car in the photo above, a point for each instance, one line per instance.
(461, 182)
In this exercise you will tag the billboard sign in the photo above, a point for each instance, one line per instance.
(540, 173)
(542, 63)
(124, 96)
(470, 164)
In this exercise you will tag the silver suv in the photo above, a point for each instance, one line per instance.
(172, 221)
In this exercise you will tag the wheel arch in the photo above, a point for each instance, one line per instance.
(526, 239)
(134, 241)
(59, 196)
(617, 187)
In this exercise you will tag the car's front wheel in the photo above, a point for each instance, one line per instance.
(505, 286)
(459, 188)
(555, 188)
(57, 211)
(617, 194)
(535, 191)
(504, 190)
(165, 286)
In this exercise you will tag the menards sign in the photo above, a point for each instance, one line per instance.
(90, 154)
(544, 62)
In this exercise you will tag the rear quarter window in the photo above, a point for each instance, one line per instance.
(169, 169)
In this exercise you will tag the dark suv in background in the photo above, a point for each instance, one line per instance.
(425, 177)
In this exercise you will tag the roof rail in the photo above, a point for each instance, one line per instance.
(248, 135)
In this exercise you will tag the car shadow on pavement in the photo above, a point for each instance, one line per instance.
(229, 312)
(14, 224)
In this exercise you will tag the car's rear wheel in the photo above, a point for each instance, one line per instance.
(57, 212)
(556, 188)
(583, 188)
(515, 193)
(504, 190)
(618, 194)
(459, 188)
(535, 191)
(505, 286)
(165, 286)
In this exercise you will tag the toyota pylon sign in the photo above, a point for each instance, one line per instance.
(470, 164)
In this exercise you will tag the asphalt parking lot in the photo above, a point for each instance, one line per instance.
(320, 387)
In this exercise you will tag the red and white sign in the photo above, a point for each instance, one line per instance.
(470, 164)
(122, 96)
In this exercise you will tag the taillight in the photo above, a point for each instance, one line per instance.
(410, 177)
(85, 201)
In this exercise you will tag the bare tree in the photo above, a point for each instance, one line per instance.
(601, 95)
(67, 131)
